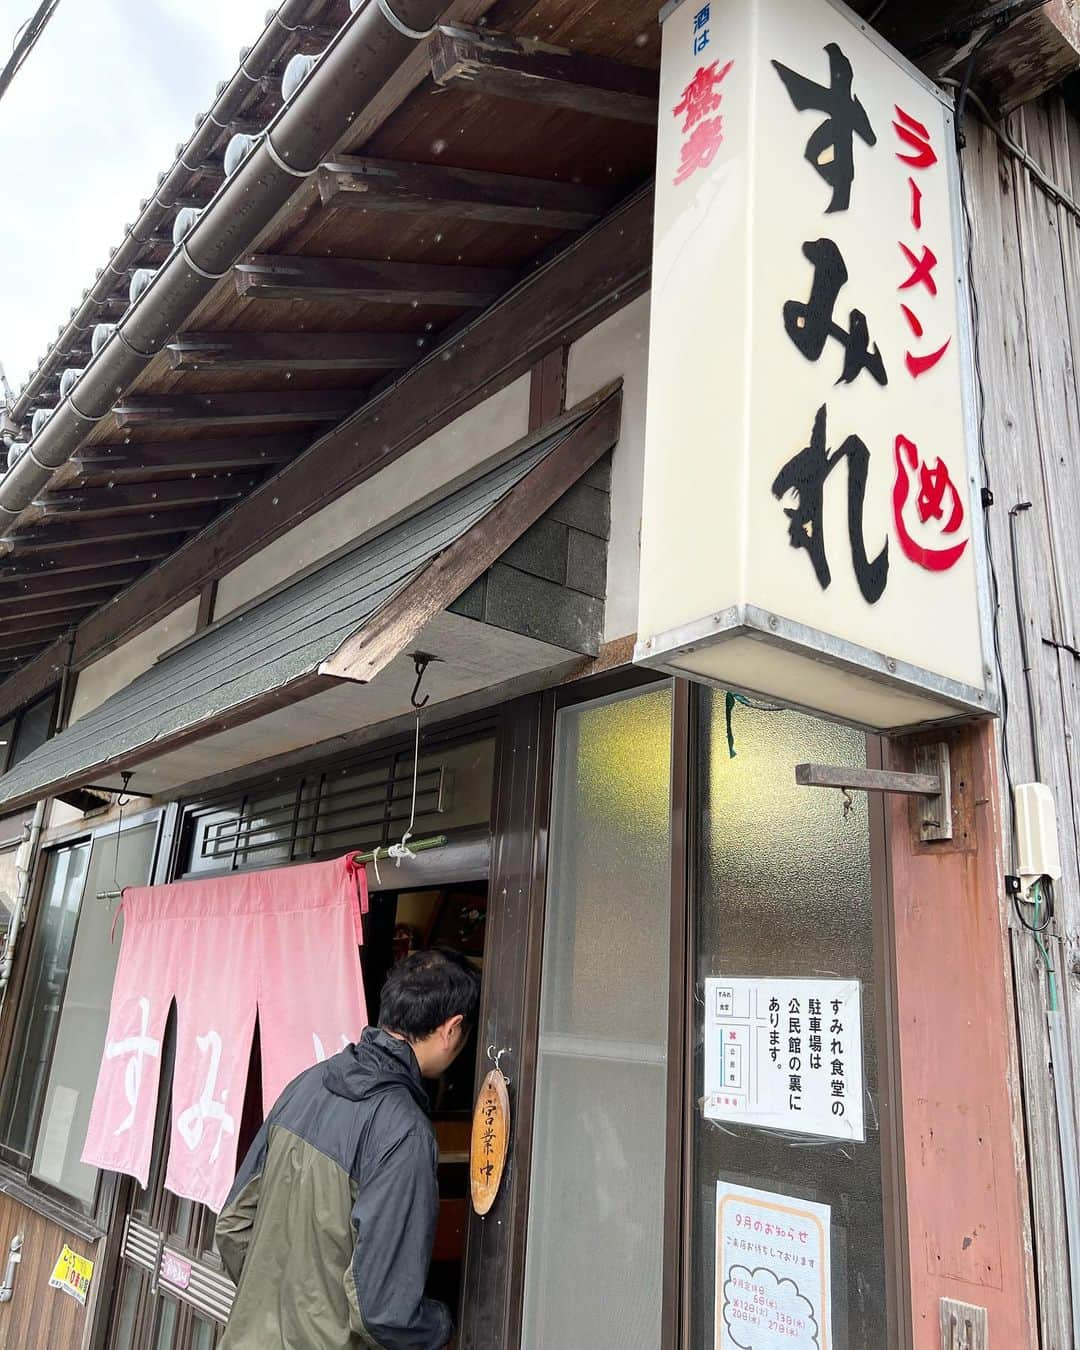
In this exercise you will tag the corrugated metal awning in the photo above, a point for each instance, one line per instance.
(345, 621)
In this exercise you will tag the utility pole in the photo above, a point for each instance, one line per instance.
(25, 42)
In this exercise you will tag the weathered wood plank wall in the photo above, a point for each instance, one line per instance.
(1026, 253)
(37, 1315)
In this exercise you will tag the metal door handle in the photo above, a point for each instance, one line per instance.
(7, 1289)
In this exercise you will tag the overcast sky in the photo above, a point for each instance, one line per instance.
(90, 121)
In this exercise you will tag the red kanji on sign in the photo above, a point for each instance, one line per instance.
(922, 269)
(919, 365)
(914, 323)
(915, 135)
(700, 147)
(937, 493)
(916, 203)
(700, 98)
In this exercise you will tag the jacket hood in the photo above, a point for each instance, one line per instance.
(377, 1063)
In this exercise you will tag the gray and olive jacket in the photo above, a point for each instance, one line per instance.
(330, 1224)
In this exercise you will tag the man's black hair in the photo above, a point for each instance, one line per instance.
(425, 990)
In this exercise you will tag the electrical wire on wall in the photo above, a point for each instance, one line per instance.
(1039, 923)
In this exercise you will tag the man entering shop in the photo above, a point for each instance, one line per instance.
(329, 1227)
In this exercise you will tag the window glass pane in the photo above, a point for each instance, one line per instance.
(593, 1268)
(213, 839)
(39, 1010)
(167, 1317)
(203, 1334)
(32, 731)
(85, 1017)
(9, 886)
(7, 733)
(123, 1337)
(784, 891)
(352, 808)
(453, 788)
(265, 833)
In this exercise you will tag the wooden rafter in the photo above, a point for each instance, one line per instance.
(531, 72)
(25, 606)
(30, 588)
(138, 460)
(30, 642)
(294, 351)
(89, 558)
(279, 277)
(469, 194)
(71, 534)
(30, 629)
(131, 498)
(293, 405)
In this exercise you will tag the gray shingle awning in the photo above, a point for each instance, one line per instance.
(345, 621)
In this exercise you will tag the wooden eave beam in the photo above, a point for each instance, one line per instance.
(294, 351)
(279, 277)
(469, 194)
(127, 499)
(138, 459)
(594, 277)
(532, 72)
(193, 410)
(59, 538)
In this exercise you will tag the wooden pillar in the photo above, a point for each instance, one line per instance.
(967, 1222)
(495, 1249)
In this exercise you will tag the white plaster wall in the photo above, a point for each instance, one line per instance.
(432, 467)
(102, 679)
(619, 347)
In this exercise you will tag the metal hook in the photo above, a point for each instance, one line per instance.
(849, 802)
(421, 661)
(495, 1057)
(122, 800)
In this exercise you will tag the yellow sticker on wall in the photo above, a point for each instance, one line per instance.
(73, 1273)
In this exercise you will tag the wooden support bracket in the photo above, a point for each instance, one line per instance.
(932, 783)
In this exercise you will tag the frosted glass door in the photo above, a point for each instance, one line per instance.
(595, 1243)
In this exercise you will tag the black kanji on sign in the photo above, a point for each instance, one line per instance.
(830, 150)
(810, 325)
(805, 475)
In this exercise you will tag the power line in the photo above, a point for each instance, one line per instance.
(25, 42)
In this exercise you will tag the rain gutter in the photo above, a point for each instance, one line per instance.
(368, 48)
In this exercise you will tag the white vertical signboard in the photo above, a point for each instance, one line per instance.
(772, 1271)
(786, 1055)
(812, 527)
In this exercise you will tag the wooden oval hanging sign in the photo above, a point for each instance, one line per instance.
(490, 1140)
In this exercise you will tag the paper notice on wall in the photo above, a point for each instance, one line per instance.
(73, 1274)
(773, 1287)
(786, 1055)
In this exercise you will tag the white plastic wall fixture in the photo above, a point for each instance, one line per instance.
(1036, 834)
